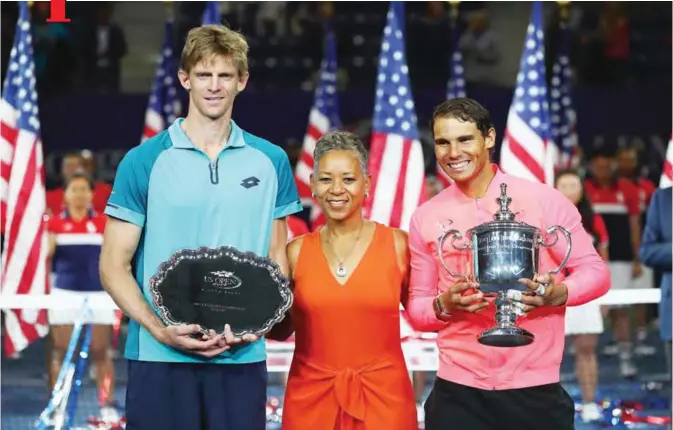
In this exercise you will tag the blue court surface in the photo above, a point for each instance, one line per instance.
(24, 393)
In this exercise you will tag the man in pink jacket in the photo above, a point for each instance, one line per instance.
(477, 386)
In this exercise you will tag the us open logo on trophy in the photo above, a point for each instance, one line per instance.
(503, 251)
(213, 287)
(223, 279)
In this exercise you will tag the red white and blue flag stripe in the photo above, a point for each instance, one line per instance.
(324, 117)
(24, 256)
(563, 116)
(396, 160)
(527, 148)
(164, 104)
(454, 89)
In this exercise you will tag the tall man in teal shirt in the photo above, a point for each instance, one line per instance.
(202, 182)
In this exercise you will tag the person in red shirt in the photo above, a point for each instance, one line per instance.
(71, 163)
(79, 163)
(585, 322)
(101, 189)
(75, 239)
(616, 200)
(627, 169)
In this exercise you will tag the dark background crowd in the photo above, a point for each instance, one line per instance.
(613, 43)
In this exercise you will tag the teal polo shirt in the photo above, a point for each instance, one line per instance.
(183, 200)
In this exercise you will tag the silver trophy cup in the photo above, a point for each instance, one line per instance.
(503, 251)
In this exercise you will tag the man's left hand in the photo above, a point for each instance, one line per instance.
(544, 291)
(228, 337)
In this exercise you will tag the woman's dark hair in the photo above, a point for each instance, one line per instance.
(79, 175)
(583, 206)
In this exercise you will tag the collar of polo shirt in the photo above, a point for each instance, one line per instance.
(180, 139)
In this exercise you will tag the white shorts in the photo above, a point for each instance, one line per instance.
(584, 319)
(70, 316)
(621, 276)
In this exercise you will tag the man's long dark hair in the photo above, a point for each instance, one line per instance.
(583, 206)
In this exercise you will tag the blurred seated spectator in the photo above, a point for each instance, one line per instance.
(270, 19)
(54, 58)
(73, 163)
(479, 48)
(615, 31)
(103, 46)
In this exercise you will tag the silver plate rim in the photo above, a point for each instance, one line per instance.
(229, 251)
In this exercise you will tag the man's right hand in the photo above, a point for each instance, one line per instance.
(188, 338)
(459, 298)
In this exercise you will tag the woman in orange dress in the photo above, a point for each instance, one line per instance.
(348, 370)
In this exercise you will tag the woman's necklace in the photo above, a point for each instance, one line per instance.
(341, 271)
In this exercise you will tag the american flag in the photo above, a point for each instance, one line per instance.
(24, 257)
(563, 117)
(454, 89)
(396, 156)
(324, 117)
(527, 148)
(211, 15)
(667, 173)
(164, 104)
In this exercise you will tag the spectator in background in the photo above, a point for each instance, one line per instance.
(73, 163)
(656, 252)
(479, 48)
(103, 48)
(270, 19)
(628, 169)
(615, 33)
(53, 55)
(101, 189)
(75, 263)
(584, 323)
(616, 200)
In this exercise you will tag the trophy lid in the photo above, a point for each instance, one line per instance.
(504, 218)
(504, 214)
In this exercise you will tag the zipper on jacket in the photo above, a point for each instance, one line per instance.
(214, 174)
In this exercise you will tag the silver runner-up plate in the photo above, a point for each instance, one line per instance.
(212, 287)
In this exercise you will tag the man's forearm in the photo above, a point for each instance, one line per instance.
(124, 290)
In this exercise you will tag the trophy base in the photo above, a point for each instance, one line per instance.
(506, 337)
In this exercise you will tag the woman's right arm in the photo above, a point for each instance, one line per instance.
(52, 245)
(284, 329)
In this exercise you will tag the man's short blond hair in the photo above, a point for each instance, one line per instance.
(208, 40)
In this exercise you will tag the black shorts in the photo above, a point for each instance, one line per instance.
(458, 407)
(196, 396)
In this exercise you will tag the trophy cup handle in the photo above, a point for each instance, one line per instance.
(454, 235)
(553, 230)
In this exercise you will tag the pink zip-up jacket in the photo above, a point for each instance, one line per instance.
(462, 359)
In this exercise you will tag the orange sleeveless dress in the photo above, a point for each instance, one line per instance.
(348, 371)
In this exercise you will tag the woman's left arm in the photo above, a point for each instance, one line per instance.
(403, 257)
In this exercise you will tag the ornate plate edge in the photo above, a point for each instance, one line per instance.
(246, 257)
